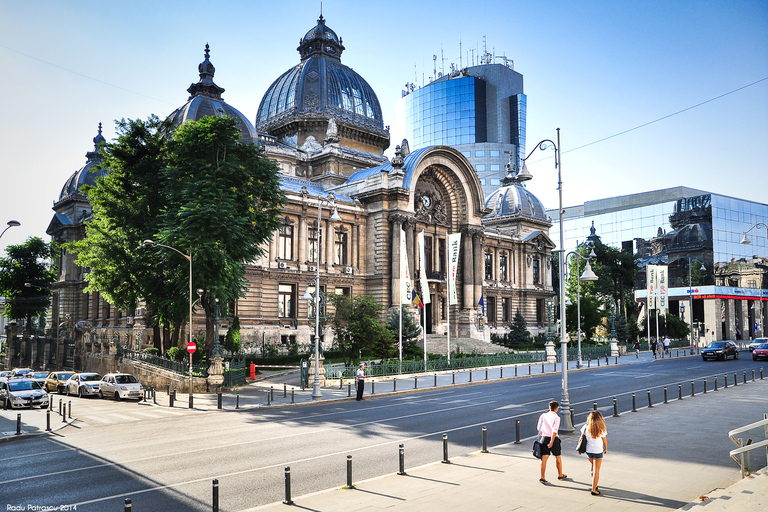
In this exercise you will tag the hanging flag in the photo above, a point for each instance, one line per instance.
(405, 274)
(482, 304)
(454, 242)
(650, 274)
(661, 284)
(423, 270)
(417, 300)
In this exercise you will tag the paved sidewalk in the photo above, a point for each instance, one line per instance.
(668, 457)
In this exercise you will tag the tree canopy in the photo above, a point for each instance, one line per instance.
(357, 327)
(26, 277)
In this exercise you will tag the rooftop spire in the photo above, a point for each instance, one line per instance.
(205, 86)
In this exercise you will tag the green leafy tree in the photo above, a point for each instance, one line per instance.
(411, 331)
(26, 278)
(232, 340)
(222, 202)
(356, 326)
(669, 325)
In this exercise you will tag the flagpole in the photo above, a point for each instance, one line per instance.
(424, 333)
(400, 343)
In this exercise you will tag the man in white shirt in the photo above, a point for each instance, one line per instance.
(666, 345)
(549, 424)
(360, 378)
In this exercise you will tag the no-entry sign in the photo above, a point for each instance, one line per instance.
(191, 347)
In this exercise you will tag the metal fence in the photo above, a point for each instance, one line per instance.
(199, 370)
(235, 372)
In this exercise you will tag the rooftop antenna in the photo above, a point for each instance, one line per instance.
(460, 66)
(442, 60)
(434, 67)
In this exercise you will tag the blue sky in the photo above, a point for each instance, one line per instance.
(592, 68)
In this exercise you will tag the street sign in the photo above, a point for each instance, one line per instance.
(191, 347)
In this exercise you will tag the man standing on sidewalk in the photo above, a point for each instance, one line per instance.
(666, 345)
(549, 424)
(360, 378)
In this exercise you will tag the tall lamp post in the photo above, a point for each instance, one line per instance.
(690, 293)
(11, 224)
(335, 217)
(587, 276)
(566, 425)
(189, 326)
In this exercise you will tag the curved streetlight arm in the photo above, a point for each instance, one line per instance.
(11, 224)
(746, 240)
(542, 146)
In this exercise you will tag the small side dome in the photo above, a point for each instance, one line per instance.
(88, 174)
(512, 199)
(205, 100)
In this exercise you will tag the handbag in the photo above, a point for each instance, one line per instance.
(582, 445)
(537, 447)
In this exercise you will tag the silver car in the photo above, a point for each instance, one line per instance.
(756, 342)
(120, 385)
(22, 392)
(83, 384)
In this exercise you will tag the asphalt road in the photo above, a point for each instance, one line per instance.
(166, 460)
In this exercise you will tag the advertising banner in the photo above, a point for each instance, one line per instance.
(423, 271)
(454, 243)
(650, 274)
(405, 273)
(662, 286)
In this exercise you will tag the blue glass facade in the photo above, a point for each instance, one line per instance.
(449, 113)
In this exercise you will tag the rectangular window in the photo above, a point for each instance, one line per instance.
(340, 246)
(286, 301)
(480, 153)
(488, 266)
(505, 309)
(312, 245)
(441, 255)
(540, 309)
(503, 267)
(285, 242)
(287, 339)
(536, 272)
(490, 309)
(428, 255)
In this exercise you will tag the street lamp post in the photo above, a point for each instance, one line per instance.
(587, 276)
(566, 425)
(11, 224)
(335, 217)
(189, 325)
(690, 294)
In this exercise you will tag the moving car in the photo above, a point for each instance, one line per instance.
(22, 392)
(57, 380)
(83, 384)
(120, 385)
(758, 341)
(760, 352)
(720, 350)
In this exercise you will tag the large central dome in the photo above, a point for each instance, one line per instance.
(320, 87)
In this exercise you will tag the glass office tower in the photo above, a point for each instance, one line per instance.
(479, 110)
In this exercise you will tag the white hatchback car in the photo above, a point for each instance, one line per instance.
(120, 385)
(83, 384)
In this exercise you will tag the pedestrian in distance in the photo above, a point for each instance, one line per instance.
(636, 346)
(549, 424)
(360, 379)
(597, 445)
(666, 345)
(653, 347)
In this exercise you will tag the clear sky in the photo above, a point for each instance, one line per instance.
(592, 68)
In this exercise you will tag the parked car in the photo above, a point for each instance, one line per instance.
(40, 377)
(57, 380)
(22, 392)
(22, 372)
(758, 341)
(760, 352)
(83, 384)
(120, 385)
(720, 350)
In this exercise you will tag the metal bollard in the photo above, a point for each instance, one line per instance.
(679, 391)
(288, 500)
(285, 390)
(615, 408)
(394, 385)
(271, 393)
(745, 376)
(435, 380)
(293, 390)
(501, 373)
(486, 374)
(665, 395)
(191, 401)
(753, 375)
(705, 385)
(445, 449)
(761, 373)
(542, 367)
(589, 363)
(48, 421)
(218, 400)
(529, 369)
(634, 403)
(237, 401)
(485, 440)
(735, 379)
(402, 460)
(64, 415)
(50, 402)
(154, 396)
(415, 383)
(515, 370)
(18, 424)
(60, 401)
(453, 378)
(594, 406)
(69, 403)
(725, 380)
(650, 402)
(349, 471)
(616, 360)
(128, 507)
(341, 383)
(555, 369)
(170, 399)
(470, 375)
(693, 389)
(715, 382)
(269, 400)
(215, 496)
(349, 390)
(598, 361)
(517, 431)
(373, 387)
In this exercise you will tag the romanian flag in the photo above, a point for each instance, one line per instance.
(417, 300)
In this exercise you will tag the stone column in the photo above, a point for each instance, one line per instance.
(477, 243)
(301, 257)
(468, 269)
(354, 241)
(328, 245)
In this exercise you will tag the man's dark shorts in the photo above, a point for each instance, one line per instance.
(555, 450)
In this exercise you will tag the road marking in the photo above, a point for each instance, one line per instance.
(121, 416)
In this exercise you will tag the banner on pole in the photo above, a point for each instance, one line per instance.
(663, 289)
(454, 243)
(405, 273)
(650, 274)
(423, 271)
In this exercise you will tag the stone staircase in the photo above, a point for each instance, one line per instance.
(749, 494)
(437, 344)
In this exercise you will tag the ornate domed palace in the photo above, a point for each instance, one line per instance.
(321, 122)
